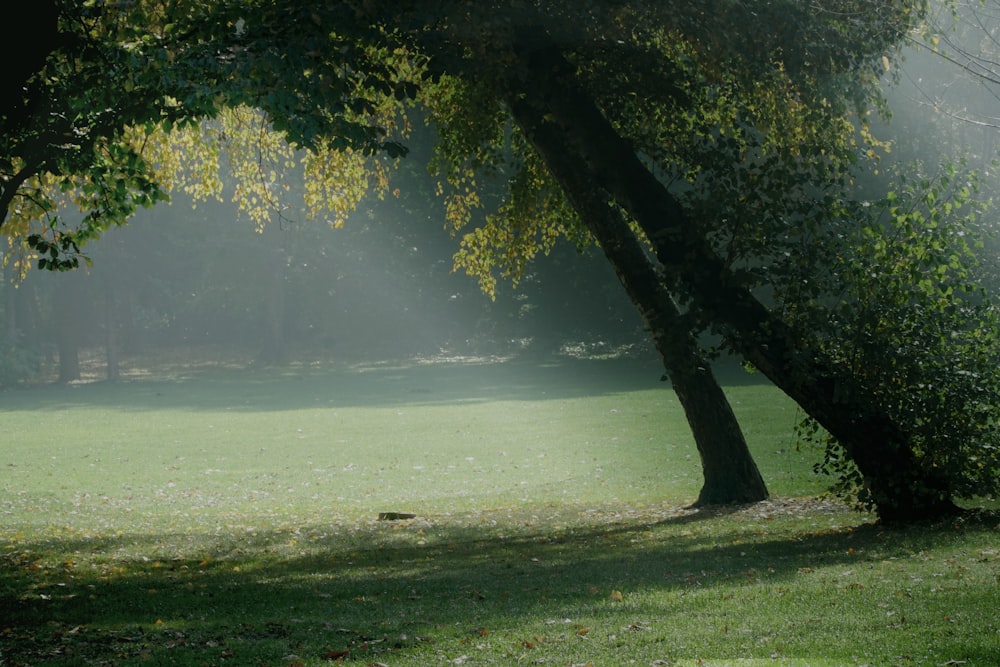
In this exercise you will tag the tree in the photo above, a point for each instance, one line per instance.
(897, 483)
(725, 137)
(531, 215)
(74, 135)
(730, 474)
(550, 98)
(716, 429)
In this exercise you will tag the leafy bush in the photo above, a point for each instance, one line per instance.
(907, 312)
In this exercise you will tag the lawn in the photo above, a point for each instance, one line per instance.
(230, 517)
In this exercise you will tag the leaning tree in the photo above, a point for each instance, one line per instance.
(728, 141)
(347, 86)
(710, 149)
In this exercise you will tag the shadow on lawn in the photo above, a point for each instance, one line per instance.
(389, 587)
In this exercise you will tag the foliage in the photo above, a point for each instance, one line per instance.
(343, 103)
(750, 134)
(69, 149)
(912, 321)
(268, 179)
(483, 161)
(170, 60)
(176, 65)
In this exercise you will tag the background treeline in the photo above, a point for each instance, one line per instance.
(181, 277)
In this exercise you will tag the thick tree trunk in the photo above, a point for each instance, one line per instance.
(42, 16)
(899, 486)
(731, 476)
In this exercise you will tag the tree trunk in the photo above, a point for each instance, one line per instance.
(42, 16)
(899, 486)
(111, 330)
(731, 476)
(10, 304)
(67, 300)
(273, 348)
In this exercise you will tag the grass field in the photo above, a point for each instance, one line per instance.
(230, 517)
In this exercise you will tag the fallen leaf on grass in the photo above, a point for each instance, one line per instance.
(335, 655)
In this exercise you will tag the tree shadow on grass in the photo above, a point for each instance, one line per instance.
(384, 590)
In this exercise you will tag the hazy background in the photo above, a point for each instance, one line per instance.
(200, 281)
(181, 283)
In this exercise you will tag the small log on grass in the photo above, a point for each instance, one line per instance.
(395, 516)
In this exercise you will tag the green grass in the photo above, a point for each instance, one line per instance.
(229, 517)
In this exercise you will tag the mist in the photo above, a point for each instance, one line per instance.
(192, 283)
(944, 95)
(185, 283)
